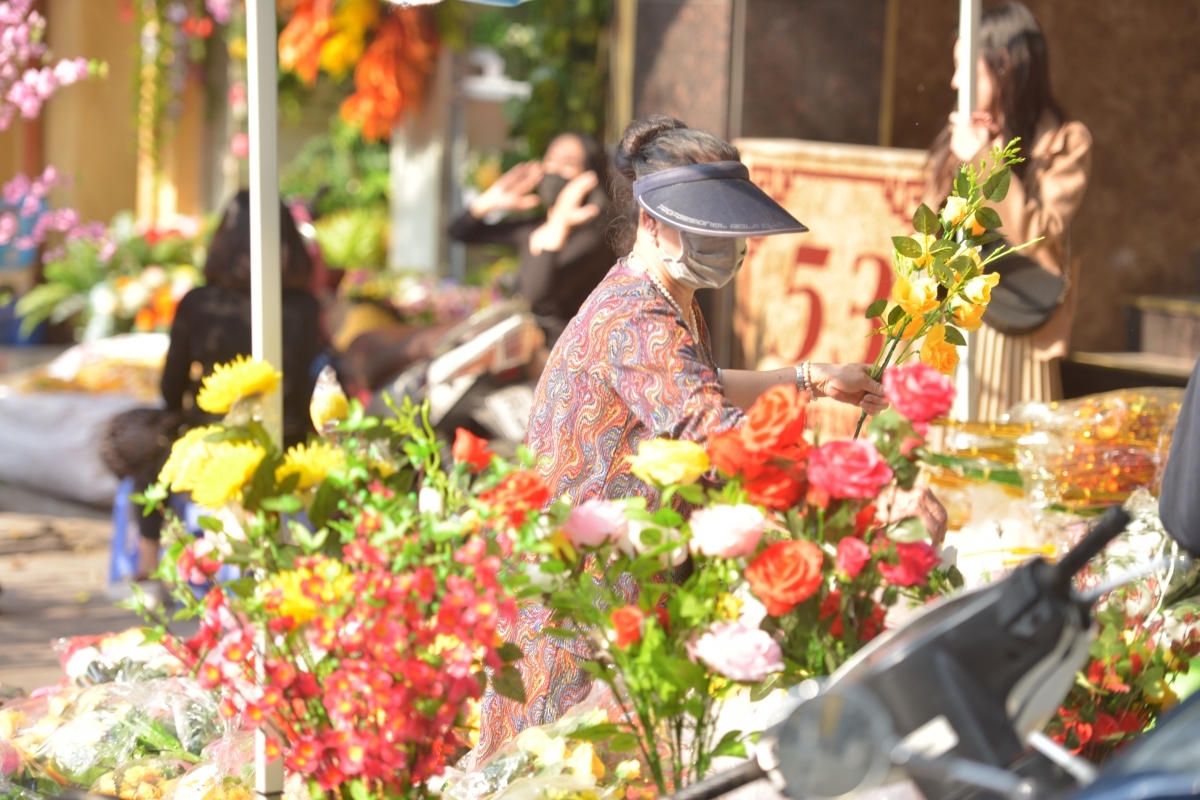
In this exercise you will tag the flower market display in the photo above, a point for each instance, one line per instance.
(129, 279)
(377, 564)
(28, 78)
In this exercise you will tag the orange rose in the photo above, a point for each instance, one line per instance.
(627, 624)
(774, 488)
(785, 575)
(937, 352)
(775, 421)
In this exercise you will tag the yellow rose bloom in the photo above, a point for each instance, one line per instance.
(341, 52)
(312, 464)
(328, 405)
(908, 331)
(979, 290)
(665, 461)
(917, 296)
(968, 316)
(926, 241)
(955, 210)
(218, 473)
(972, 227)
(937, 352)
(241, 378)
(728, 607)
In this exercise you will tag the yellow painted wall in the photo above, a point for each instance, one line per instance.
(88, 128)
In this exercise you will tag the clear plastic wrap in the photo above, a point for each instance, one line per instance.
(149, 778)
(116, 657)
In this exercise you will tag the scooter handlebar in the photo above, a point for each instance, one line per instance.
(722, 783)
(1109, 527)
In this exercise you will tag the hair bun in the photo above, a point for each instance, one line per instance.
(642, 132)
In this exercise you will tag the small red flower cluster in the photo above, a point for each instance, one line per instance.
(397, 651)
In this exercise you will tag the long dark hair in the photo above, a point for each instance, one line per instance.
(653, 144)
(228, 261)
(1013, 46)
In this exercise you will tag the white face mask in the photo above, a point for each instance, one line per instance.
(705, 262)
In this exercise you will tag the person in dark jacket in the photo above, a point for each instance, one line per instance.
(563, 253)
(1179, 502)
(212, 326)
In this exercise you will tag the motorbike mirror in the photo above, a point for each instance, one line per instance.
(836, 743)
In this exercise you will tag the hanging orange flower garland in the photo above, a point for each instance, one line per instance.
(301, 39)
(393, 73)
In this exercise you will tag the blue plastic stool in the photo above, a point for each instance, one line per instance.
(123, 561)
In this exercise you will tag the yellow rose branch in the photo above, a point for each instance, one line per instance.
(942, 285)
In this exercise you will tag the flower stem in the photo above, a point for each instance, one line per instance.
(876, 371)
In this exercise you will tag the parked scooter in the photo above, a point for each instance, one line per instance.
(477, 376)
(955, 700)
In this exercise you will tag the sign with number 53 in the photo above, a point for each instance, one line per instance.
(802, 297)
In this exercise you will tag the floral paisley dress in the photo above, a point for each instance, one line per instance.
(626, 370)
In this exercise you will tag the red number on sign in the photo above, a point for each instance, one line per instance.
(818, 258)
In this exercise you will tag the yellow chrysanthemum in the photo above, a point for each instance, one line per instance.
(312, 464)
(184, 453)
(665, 462)
(302, 593)
(728, 606)
(241, 378)
(217, 473)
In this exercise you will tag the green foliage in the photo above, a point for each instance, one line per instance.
(559, 47)
(351, 172)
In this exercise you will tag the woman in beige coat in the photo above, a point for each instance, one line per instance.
(1014, 100)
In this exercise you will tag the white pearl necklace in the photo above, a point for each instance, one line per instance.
(689, 319)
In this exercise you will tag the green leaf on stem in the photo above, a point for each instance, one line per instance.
(595, 733)
(925, 221)
(908, 530)
(324, 504)
(284, 504)
(509, 652)
(507, 683)
(761, 690)
(907, 246)
(987, 217)
(942, 246)
(358, 790)
(876, 309)
(942, 273)
(895, 316)
(211, 524)
(622, 742)
(962, 184)
(954, 336)
(730, 745)
(987, 238)
(995, 188)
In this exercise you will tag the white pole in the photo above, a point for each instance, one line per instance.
(265, 284)
(966, 405)
(266, 318)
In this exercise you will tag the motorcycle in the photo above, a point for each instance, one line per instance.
(476, 376)
(955, 701)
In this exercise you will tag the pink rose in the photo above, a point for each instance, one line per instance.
(918, 392)
(595, 522)
(747, 655)
(239, 146)
(916, 559)
(726, 531)
(852, 555)
(848, 469)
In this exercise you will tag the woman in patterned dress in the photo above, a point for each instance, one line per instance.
(633, 366)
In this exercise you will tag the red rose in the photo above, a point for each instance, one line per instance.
(774, 488)
(863, 521)
(916, 559)
(519, 493)
(776, 420)
(785, 575)
(831, 606)
(872, 625)
(918, 392)
(471, 450)
(627, 624)
(852, 555)
(1130, 721)
(1083, 732)
(1106, 726)
(848, 469)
